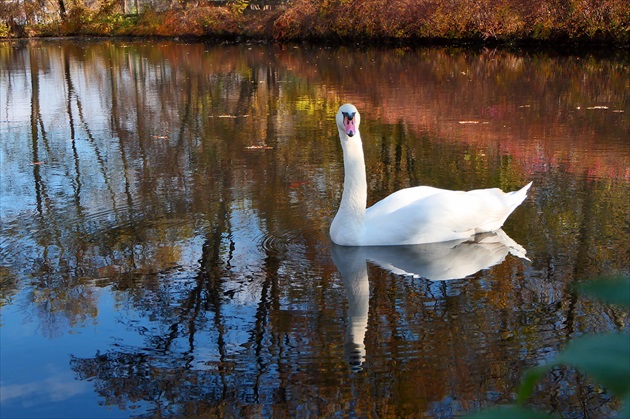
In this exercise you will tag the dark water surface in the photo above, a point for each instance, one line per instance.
(165, 211)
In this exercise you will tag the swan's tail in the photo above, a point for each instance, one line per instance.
(514, 248)
(515, 198)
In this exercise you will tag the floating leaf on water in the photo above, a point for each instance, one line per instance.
(297, 184)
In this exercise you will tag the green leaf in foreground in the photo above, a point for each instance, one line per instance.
(528, 382)
(606, 358)
(612, 290)
(510, 412)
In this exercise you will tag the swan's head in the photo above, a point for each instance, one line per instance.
(348, 119)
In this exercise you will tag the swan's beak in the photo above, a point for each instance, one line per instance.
(348, 123)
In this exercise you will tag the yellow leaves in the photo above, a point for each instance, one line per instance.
(239, 6)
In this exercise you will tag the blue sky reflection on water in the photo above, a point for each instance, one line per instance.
(165, 220)
(42, 383)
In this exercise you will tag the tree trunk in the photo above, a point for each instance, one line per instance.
(62, 10)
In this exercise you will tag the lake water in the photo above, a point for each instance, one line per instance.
(165, 210)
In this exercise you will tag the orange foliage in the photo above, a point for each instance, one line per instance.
(199, 21)
(367, 20)
(460, 19)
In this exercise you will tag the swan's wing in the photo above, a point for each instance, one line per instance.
(439, 216)
(400, 199)
(480, 209)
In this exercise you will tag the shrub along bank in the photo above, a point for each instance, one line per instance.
(602, 21)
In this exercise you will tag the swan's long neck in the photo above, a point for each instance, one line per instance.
(347, 226)
(354, 197)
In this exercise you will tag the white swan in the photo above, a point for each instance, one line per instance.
(416, 215)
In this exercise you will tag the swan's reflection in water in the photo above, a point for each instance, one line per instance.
(434, 261)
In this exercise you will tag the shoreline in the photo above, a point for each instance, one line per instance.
(555, 47)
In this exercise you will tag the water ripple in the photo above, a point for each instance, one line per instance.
(275, 243)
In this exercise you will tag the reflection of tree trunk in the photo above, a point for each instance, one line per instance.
(386, 161)
(115, 120)
(268, 299)
(44, 204)
(66, 69)
(35, 112)
(210, 275)
(269, 296)
(400, 140)
(97, 151)
(581, 258)
(37, 132)
(75, 153)
(248, 87)
(185, 116)
(138, 78)
(393, 177)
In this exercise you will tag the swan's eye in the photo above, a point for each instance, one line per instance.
(348, 115)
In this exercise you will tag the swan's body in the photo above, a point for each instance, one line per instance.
(416, 215)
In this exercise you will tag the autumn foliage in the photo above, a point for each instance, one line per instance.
(458, 19)
(334, 20)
